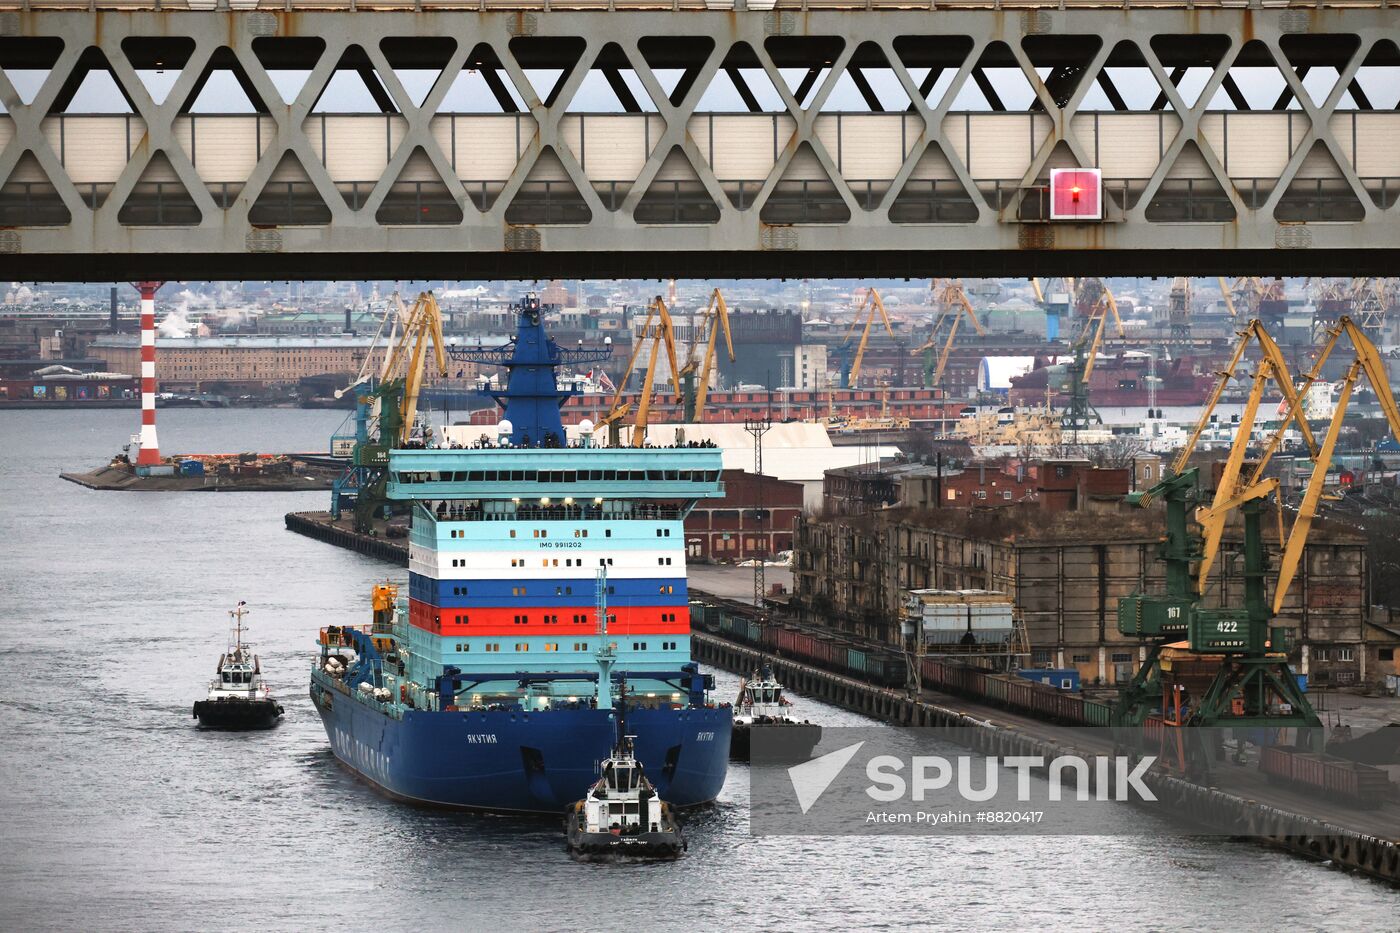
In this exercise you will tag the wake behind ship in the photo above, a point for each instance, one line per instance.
(547, 586)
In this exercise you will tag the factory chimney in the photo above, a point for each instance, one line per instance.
(348, 328)
(112, 318)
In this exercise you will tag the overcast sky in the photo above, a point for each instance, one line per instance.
(346, 93)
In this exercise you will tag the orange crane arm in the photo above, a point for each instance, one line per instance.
(1307, 511)
(1225, 293)
(426, 322)
(960, 297)
(1226, 374)
(661, 334)
(717, 310)
(1212, 521)
(1094, 348)
(947, 349)
(871, 297)
(617, 409)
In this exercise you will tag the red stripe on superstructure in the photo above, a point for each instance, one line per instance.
(148, 384)
(625, 621)
(148, 416)
(148, 354)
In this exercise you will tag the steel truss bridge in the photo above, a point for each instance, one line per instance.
(934, 170)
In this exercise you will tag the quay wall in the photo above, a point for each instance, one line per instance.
(1305, 836)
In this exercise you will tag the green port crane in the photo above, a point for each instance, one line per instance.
(387, 406)
(1187, 553)
(1254, 685)
(1079, 413)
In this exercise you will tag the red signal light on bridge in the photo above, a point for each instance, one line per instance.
(1076, 194)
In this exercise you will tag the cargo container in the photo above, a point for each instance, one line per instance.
(1061, 678)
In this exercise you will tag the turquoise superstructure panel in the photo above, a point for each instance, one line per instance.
(500, 655)
(556, 474)
(565, 535)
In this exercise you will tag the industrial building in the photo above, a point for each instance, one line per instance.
(754, 519)
(1066, 554)
(188, 363)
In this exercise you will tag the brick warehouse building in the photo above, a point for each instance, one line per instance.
(1065, 571)
(729, 530)
(189, 363)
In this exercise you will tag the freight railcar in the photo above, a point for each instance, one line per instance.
(1348, 782)
(884, 666)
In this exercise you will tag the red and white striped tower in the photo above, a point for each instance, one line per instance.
(150, 447)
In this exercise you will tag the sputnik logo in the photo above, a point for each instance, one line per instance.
(811, 778)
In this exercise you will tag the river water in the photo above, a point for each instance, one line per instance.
(116, 813)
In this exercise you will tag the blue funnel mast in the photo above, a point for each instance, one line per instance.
(532, 399)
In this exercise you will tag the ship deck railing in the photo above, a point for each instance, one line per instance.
(560, 514)
(340, 686)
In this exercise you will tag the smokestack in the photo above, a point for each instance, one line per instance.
(348, 329)
(112, 320)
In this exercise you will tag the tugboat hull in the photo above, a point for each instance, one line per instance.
(603, 847)
(777, 741)
(237, 715)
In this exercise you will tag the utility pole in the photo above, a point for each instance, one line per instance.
(759, 427)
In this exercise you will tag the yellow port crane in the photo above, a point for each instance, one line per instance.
(657, 330)
(1248, 292)
(715, 318)
(951, 298)
(421, 324)
(1229, 495)
(1368, 360)
(870, 305)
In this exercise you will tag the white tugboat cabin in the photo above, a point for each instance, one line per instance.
(238, 698)
(622, 814)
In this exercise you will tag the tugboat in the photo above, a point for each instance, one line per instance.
(763, 708)
(622, 816)
(238, 698)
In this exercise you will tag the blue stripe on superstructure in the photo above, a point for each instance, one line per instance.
(566, 592)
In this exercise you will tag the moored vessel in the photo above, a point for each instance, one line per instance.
(238, 696)
(763, 719)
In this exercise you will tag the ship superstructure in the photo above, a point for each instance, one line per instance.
(545, 579)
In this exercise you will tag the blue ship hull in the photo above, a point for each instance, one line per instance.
(522, 762)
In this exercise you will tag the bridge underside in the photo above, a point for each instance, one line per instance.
(1231, 141)
(653, 264)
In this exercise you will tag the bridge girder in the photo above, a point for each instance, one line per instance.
(993, 236)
